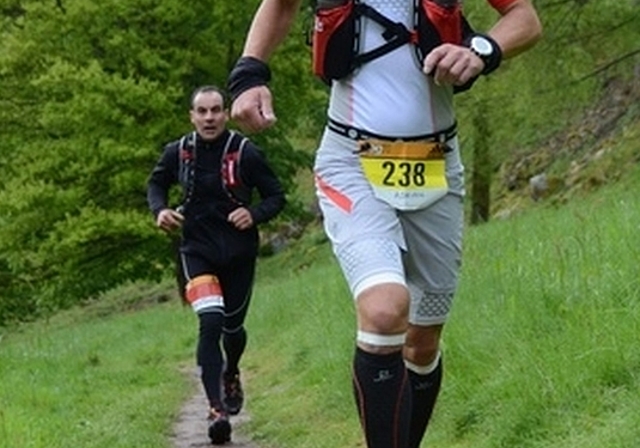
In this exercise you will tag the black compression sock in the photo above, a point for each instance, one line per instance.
(425, 389)
(234, 345)
(209, 354)
(383, 397)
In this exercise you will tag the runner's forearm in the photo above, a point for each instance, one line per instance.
(270, 26)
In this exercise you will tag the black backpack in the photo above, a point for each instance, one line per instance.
(230, 172)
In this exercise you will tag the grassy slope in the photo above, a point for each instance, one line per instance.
(540, 345)
(540, 351)
(102, 376)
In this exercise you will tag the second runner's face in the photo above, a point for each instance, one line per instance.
(208, 115)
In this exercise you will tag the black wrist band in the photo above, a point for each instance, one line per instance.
(248, 72)
(491, 61)
(495, 59)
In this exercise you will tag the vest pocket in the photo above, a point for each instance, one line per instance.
(333, 41)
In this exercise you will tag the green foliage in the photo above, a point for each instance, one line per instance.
(89, 93)
(585, 44)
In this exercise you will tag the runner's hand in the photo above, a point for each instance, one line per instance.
(452, 65)
(169, 220)
(253, 109)
(241, 218)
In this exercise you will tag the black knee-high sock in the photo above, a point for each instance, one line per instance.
(234, 345)
(424, 389)
(209, 355)
(383, 396)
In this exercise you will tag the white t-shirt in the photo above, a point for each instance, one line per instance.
(391, 95)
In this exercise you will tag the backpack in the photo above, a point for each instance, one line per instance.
(230, 174)
(336, 33)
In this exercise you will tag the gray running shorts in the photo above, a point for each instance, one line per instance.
(375, 243)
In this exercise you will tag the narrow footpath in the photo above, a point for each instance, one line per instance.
(190, 428)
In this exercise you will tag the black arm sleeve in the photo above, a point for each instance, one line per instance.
(257, 173)
(247, 73)
(163, 176)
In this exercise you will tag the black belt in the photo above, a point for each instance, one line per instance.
(361, 134)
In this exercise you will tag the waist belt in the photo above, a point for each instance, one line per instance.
(361, 134)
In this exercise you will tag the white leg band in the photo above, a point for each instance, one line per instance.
(381, 340)
(423, 370)
(377, 279)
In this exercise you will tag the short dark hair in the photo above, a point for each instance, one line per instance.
(208, 88)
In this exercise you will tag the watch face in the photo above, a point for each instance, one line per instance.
(481, 46)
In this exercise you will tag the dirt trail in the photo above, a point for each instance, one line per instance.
(190, 428)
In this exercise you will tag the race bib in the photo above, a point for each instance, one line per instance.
(406, 175)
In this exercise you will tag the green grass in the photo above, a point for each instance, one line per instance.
(91, 378)
(541, 350)
(542, 346)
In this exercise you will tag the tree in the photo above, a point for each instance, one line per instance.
(585, 44)
(89, 92)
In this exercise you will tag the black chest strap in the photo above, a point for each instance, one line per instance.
(395, 34)
(230, 168)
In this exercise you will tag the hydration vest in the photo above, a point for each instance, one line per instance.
(230, 175)
(337, 28)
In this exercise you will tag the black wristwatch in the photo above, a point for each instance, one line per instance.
(486, 49)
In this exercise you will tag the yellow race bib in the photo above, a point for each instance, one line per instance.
(406, 175)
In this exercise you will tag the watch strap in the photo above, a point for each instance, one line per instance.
(492, 61)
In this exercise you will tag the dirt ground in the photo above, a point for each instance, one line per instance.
(190, 428)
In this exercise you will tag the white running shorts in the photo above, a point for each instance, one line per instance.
(375, 243)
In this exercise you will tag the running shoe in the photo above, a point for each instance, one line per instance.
(219, 427)
(233, 394)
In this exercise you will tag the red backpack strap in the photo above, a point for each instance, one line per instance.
(336, 38)
(231, 173)
(438, 22)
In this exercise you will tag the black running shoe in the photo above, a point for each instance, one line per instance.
(233, 394)
(219, 427)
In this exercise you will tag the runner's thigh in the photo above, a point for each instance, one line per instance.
(433, 258)
(365, 232)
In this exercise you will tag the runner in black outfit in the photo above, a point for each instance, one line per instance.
(219, 242)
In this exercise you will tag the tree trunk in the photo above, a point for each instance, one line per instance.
(481, 167)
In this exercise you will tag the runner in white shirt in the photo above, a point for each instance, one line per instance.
(390, 184)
